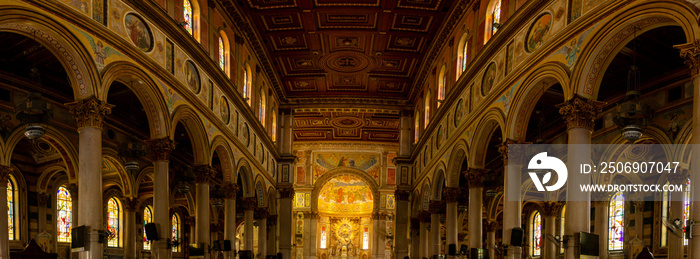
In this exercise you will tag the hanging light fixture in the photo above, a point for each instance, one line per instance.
(132, 151)
(34, 111)
(632, 115)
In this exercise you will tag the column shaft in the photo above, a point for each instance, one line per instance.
(435, 241)
(272, 235)
(248, 229)
(90, 206)
(550, 226)
(378, 235)
(424, 239)
(284, 217)
(262, 237)
(130, 234)
(675, 243)
(512, 202)
(230, 217)
(415, 239)
(160, 149)
(313, 243)
(475, 216)
(401, 224)
(202, 233)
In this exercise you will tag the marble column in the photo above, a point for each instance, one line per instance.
(160, 150)
(130, 228)
(490, 227)
(512, 155)
(42, 200)
(261, 217)
(313, 243)
(272, 235)
(579, 114)
(435, 246)
(415, 239)
(691, 53)
(425, 227)
(229, 190)
(89, 114)
(600, 203)
(451, 196)
(203, 174)
(476, 190)
(249, 203)
(5, 172)
(550, 211)
(378, 234)
(401, 223)
(286, 228)
(676, 208)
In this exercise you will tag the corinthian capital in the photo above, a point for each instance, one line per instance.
(509, 149)
(579, 112)
(230, 190)
(690, 52)
(474, 176)
(161, 148)
(451, 194)
(90, 112)
(203, 174)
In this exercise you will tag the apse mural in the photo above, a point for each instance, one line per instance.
(368, 162)
(345, 194)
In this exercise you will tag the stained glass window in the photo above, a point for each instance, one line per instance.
(188, 15)
(114, 222)
(665, 209)
(441, 87)
(426, 115)
(64, 206)
(416, 131)
(616, 222)
(686, 208)
(323, 237)
(246, 85)
(261, 108)
(147, 218)
(365, 239)
(536, 234)
(11, 209)
(222, 54)
(561, 228)
(175, 221)
(464, 56)
(274, 125)
(496, 17)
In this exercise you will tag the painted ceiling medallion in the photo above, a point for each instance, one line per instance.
(347, 122)
(346, 61)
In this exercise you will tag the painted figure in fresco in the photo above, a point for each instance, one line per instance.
(100, 53)
(191, 77)
(136, 31)
(538, 34)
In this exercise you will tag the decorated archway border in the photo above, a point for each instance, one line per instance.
(345, 171)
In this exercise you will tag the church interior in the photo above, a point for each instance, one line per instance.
(356, 129)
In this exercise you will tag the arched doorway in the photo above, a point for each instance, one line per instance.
(345, 203)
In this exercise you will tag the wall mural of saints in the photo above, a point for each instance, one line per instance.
(138, 32)
(539, 32)
(192, 77)
(368, 162)
(345, 194)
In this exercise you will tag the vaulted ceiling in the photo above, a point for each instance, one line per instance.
(338, 50)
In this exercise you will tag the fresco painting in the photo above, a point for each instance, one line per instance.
(345, 194)
(489, 79)
(391, 176)
(367, 162)
(138, 32)
(539, 32)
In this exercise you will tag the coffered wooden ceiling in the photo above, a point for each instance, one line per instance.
(340, 50)
(346, 125)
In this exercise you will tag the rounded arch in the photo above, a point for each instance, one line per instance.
(615, 34)
(224, 52)
(345, 171)
(246, 174)
(439, 182)
(145, 89)
(73, 56)
(55, 138)
(147, 172)
(458, 155)
(441, 85)
(549, 73)
(247, 84)
(195, 129)
(492, 17)
(195, 18)
(492, 120)
(125, 183)
(222, 148)
(260, 191)
(44, 182)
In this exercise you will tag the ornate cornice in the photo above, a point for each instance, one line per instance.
(310, 214)
(451, 194)
(580, 112)
(161, 148)
(89, 112)
(690, 52)
(378, 216)
(229, 190)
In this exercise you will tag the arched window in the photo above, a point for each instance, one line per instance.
(462, 48)
(175, 221)
(273, 131)
(64, 210)
(12, 214)
(262, 107)
(493, 19)
(323, 237)
(464, 55)
(686, 208)
(442, 81)
(536, 234)
(147, 218)
(426, 114)
(616, 222)
(416, 130)
(187, 12)
(114, 222)
(222, 55)
(665, 210)
(247, 80)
